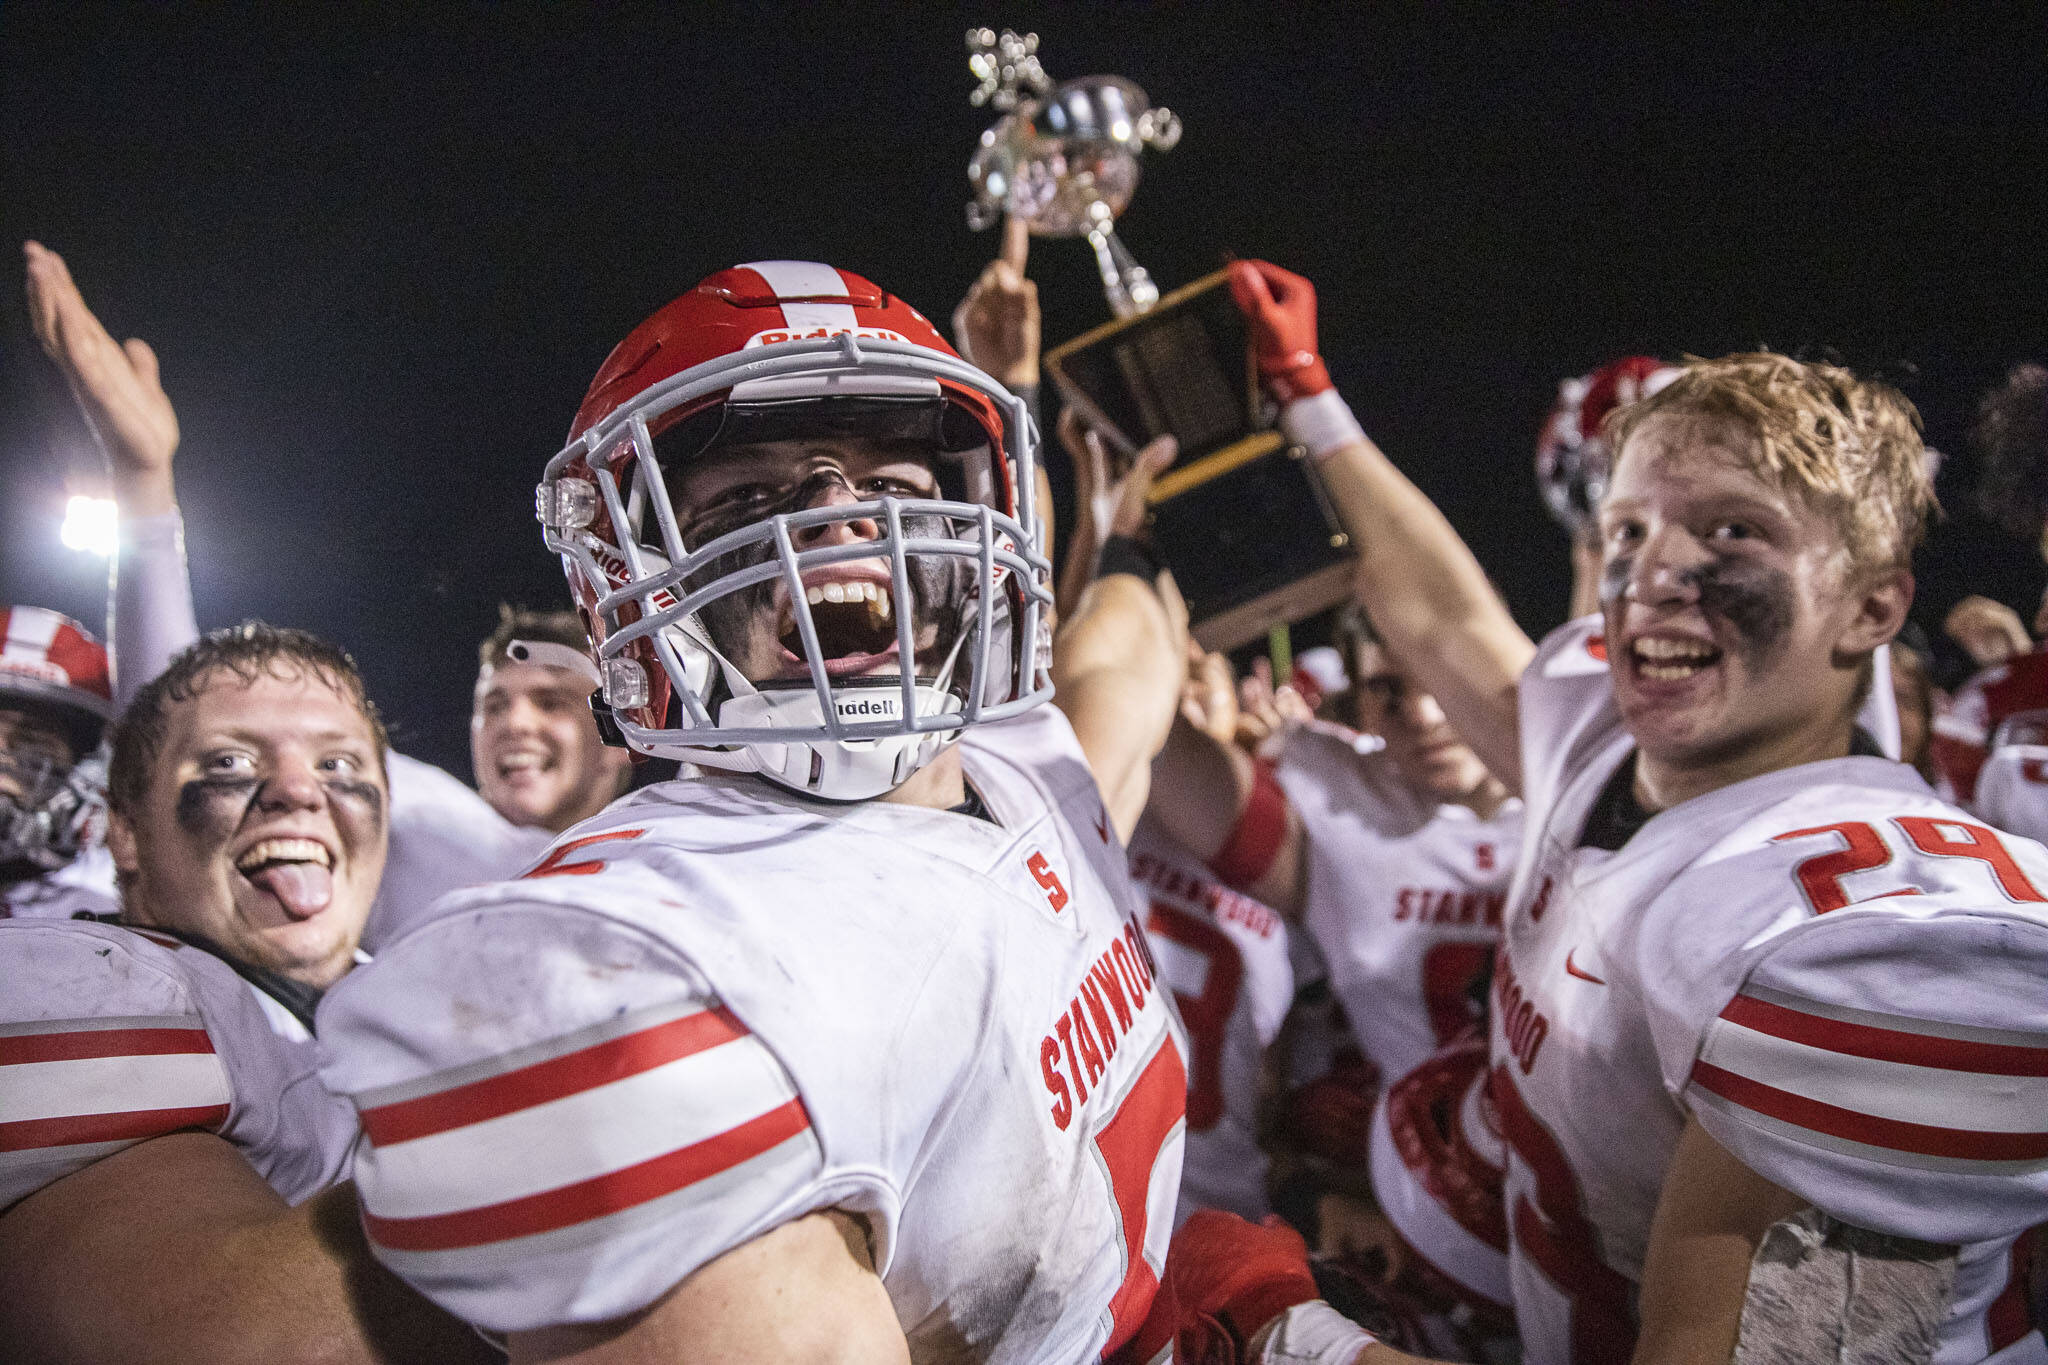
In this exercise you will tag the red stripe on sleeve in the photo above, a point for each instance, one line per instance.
(1261, 827)
(1967, 1144)
(80, 1044)
(132, 1125)
(593, 1198)
(570, 1074)
(1884, 1044)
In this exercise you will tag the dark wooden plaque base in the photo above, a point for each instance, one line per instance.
(1239, 516)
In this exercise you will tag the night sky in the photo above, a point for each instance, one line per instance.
(381, 252)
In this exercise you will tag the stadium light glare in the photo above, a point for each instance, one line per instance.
(90, 525)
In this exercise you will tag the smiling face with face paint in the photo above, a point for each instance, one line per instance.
(1738, 625)
(261, 824)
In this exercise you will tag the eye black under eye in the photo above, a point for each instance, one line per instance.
(743, 496)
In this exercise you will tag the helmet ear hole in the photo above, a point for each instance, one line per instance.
(607, 724)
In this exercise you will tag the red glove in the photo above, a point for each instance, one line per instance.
(1281, 307)
(1225, 1279)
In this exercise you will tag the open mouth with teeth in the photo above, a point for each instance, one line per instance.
(524, 763)
(856, 626)
(298, 873)
(1665, 658)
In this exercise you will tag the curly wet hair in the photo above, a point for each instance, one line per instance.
(1849, 446)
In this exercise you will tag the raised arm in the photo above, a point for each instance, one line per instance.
(1224, 808)
(149, 611)
(1428, 596)
(1117, 661)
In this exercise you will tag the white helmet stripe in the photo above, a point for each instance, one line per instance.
(798, 279)
(31, 631)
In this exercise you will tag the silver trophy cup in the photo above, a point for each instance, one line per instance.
(1063, 159)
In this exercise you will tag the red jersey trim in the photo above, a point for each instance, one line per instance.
(585, 1200)
(1919, 1138)
(1884, 1044)
(83, 1044)
(556, 1078)
(133, 1125)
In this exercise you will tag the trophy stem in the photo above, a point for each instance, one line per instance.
(1129, 287)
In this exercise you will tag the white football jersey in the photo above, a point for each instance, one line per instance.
(1838, 974)
(716, 1008)
(1403, 898)
(81, 889)
(1224, 957)
(1964, 729)
(111, 1036)
(2012, 790)
(443, 837)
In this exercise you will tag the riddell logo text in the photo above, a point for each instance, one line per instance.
(882, 707)
(782, 334)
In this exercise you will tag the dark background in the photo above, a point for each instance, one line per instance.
(381, 252)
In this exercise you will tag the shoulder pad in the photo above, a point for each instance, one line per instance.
(1889, 1063)
(561, 1119)
(102, 1046)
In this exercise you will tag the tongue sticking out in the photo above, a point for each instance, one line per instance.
(304, 889)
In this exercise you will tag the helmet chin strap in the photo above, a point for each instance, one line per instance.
(840, 770)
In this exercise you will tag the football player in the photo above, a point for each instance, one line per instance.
(1759, 986)
(1391, 844)
(55, 697)
(551, 770)
(2011, 439)
(533, 742)
(170, 1166)
(2012, 785)
(1389, 840)
(849, 1048)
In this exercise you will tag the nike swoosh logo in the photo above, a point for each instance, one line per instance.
(1571, 969)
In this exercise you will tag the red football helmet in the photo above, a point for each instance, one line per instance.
(776, 352)
(1572, 459)
(51, 668)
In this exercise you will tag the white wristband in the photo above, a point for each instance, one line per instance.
(1320, 423)
(1312, 1333)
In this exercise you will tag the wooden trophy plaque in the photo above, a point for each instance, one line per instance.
(1240, 516)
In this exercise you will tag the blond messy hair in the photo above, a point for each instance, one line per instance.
(1849, 447)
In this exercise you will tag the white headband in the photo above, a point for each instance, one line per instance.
(550, 655)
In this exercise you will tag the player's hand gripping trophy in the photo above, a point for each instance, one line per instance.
(1238, 517)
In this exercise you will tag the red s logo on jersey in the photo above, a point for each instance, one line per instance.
(1048, 881)
(1483, 857)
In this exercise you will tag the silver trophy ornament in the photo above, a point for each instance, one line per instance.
(1063, 159)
